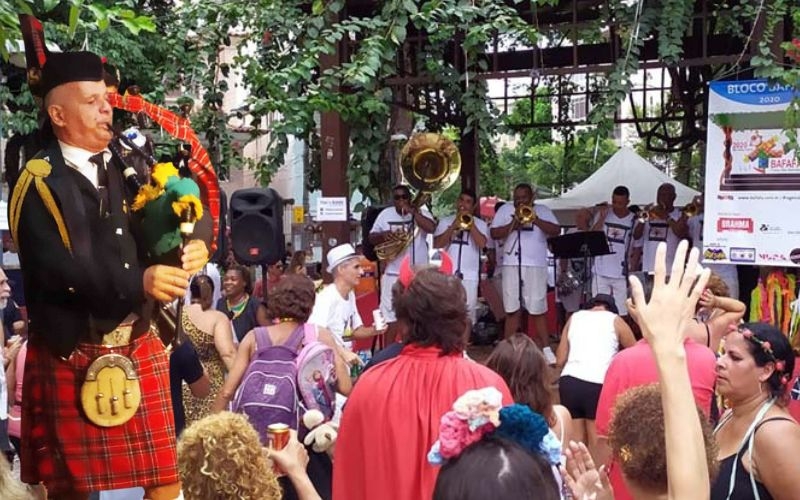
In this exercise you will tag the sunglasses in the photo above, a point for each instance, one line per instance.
(401, 197)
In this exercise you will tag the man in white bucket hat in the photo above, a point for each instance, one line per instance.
(335, 307)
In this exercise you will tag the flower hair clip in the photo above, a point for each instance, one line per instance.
(764, 344)
(478, 413)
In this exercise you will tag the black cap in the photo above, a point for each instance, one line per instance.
(66, 67)
(605, 299)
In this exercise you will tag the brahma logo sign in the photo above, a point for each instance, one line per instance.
(735, 224)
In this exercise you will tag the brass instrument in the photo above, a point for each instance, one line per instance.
(429, 162)
(525, 214)
(650, 212)
(465, 221)
(690, 210)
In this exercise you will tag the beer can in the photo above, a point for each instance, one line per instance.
(278, 436)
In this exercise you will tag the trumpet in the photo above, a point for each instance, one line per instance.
(525, 214)
(465, 221)
(650, 212)
(690, 210)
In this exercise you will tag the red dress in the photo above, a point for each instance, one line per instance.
(392, 418)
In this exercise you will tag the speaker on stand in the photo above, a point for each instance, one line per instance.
(257, 228)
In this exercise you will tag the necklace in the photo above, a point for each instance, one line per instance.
(278, 321)
(239, 307)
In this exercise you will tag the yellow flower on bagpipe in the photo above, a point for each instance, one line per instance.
(162, 172)
(146, 194)
(158, 180)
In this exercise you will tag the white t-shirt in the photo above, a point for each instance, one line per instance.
(470, 253)
(534, 240)
(618, 232)
(390, 220)
(336, 313)
(656, 231)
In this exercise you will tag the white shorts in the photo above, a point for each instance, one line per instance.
(612, 286)
(534, 289)
(387, 308)
(471, 289)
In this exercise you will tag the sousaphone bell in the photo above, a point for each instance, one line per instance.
(429, 163)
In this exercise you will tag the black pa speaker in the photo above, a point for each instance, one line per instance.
(257, 226)
(368, 217)
(222, 237)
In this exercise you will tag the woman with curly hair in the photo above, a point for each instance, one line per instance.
(393, 415)
(220, 458)
(636, 437)
(757, 437)
(290, 304)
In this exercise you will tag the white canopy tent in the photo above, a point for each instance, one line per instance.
(625, 168)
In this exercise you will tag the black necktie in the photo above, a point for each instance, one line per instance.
(102, 181)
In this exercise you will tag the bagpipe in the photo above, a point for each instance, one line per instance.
(170, 200)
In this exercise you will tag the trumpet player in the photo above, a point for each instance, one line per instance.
(525, 260)
(463, 236)
(664, 223)
(401, 218)
(609, 273)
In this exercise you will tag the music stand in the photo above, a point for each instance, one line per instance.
(581, 245)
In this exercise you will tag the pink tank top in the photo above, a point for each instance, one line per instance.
(16, 409)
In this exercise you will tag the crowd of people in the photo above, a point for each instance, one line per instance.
(263, 396)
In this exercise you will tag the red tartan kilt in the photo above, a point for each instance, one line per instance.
(67, 452)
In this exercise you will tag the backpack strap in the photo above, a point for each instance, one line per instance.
(262, 338)
(296, 339)
(263, 341)
(310, 333)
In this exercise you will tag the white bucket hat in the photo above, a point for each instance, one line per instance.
(340, 254)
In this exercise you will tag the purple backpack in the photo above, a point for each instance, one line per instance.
(268, 392)
(281, 383)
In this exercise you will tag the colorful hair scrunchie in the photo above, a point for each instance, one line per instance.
(479, 413)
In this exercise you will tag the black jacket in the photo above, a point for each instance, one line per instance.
(100, 279)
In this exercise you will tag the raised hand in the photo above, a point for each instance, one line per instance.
(672, 302)
(583, 479)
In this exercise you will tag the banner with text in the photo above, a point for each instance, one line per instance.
(752, 177)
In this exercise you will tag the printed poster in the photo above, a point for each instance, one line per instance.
(752, 177)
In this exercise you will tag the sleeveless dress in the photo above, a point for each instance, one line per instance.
(197, 408)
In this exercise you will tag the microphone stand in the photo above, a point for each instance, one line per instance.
(523, 316)
(459, 274)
